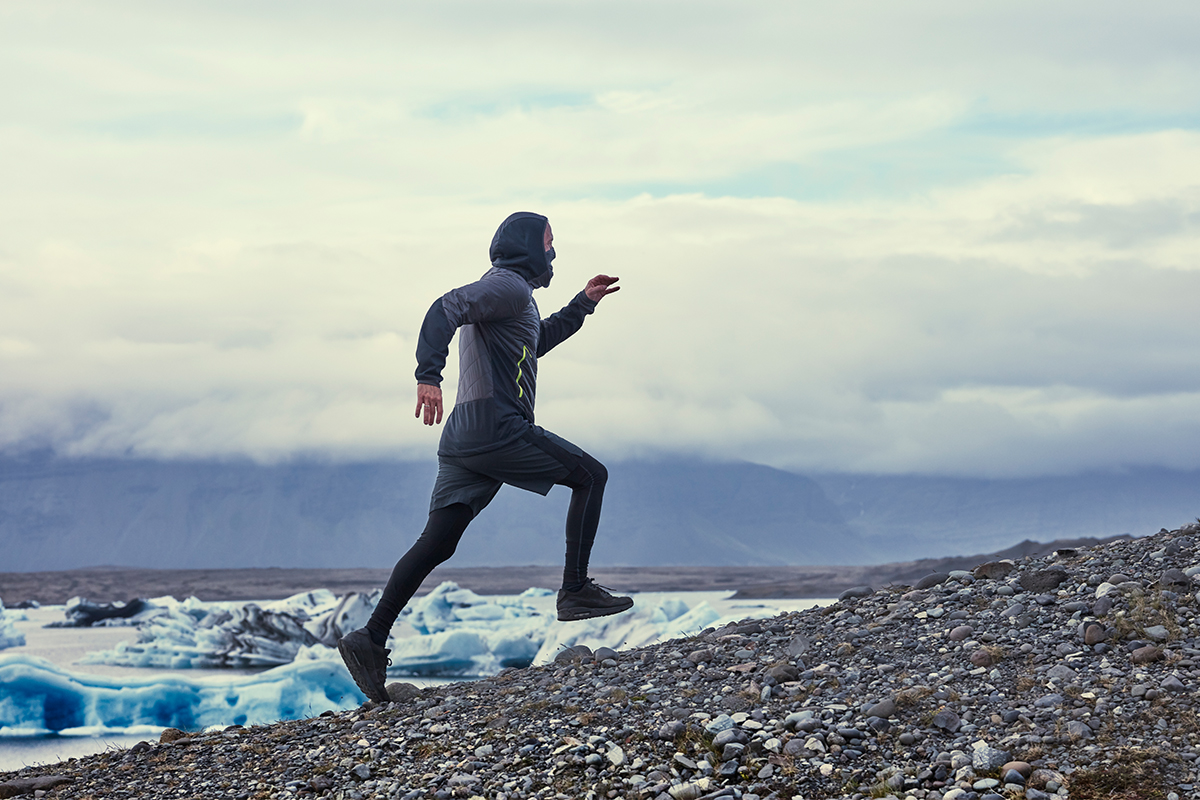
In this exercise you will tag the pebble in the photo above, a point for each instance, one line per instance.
(1014, 678)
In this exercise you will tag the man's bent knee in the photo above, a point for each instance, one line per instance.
(589, 472)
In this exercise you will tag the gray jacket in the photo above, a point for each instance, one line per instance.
(501, 337)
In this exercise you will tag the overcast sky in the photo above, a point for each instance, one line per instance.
(932, 237)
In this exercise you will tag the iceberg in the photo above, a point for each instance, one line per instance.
(459, 633)
(9, 635)
(463, 633)
(176, 634)
(82, 613)
(38, 698)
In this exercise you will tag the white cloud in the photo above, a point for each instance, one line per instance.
(224, 225)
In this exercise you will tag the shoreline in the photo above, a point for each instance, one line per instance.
(112, 584)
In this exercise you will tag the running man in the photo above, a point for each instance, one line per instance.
(490, 438)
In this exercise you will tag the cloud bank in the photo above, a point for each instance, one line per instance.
(933, 239)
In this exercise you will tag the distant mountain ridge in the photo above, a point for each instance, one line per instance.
(906, 516)
(67, 513)
(58, 513)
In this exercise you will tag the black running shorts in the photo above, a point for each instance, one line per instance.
(535, 462)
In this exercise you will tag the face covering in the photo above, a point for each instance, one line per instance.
(545, 278)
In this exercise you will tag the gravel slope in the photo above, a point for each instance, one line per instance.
(1072, 675)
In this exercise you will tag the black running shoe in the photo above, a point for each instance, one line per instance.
(593, 600)
(367, 662)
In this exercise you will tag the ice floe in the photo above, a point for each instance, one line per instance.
(37, 698)
(458, 632)
(9, 635)
(83, 613)
(178, 634)
(463, 633)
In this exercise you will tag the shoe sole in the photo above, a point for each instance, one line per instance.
(578, 614)
(360, 674)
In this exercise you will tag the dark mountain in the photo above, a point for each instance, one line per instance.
(58, 513)
(907, 517)
(63, 513)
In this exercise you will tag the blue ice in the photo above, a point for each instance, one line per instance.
(37, 698)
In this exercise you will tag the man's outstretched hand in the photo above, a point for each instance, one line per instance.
(600, 286)
(429, 398)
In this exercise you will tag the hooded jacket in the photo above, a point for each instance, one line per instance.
(501, 337)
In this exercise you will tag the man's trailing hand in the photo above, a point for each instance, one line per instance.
(600, 286)
(429, 398)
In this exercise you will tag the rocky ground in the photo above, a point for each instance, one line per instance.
(1070, 675)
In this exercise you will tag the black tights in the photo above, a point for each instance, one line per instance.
(446, 525)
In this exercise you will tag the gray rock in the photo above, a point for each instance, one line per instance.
(1175, 579)
(798, 646)
(41, 783)
(1046, 580)
(987, 758)
(960, 633)
(1158, 633)
(932, 579)
(1049, 701)
(983, 657)
(856, 591)
(1012, 611)
(402, 692)
(782, 673)
(361, 771)
(884, 708)
(731, 736)
(684, 761)
(671, 730)
(735, 749)
(1173, 685)
(603, 653)
(994, 570)
(579, 652)
(947, 720)
(1061, 672)
(1079, 730)
(793, 747)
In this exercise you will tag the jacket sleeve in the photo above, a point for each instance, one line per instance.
(488, 299)
(559, 326)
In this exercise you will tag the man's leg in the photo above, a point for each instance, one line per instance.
(537, 462)
(435, 546)
(458, 495)
(581, 597)
(587, 483)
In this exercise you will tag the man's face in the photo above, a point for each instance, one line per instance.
(548, 238)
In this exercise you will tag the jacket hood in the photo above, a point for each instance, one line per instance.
(519, 245)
